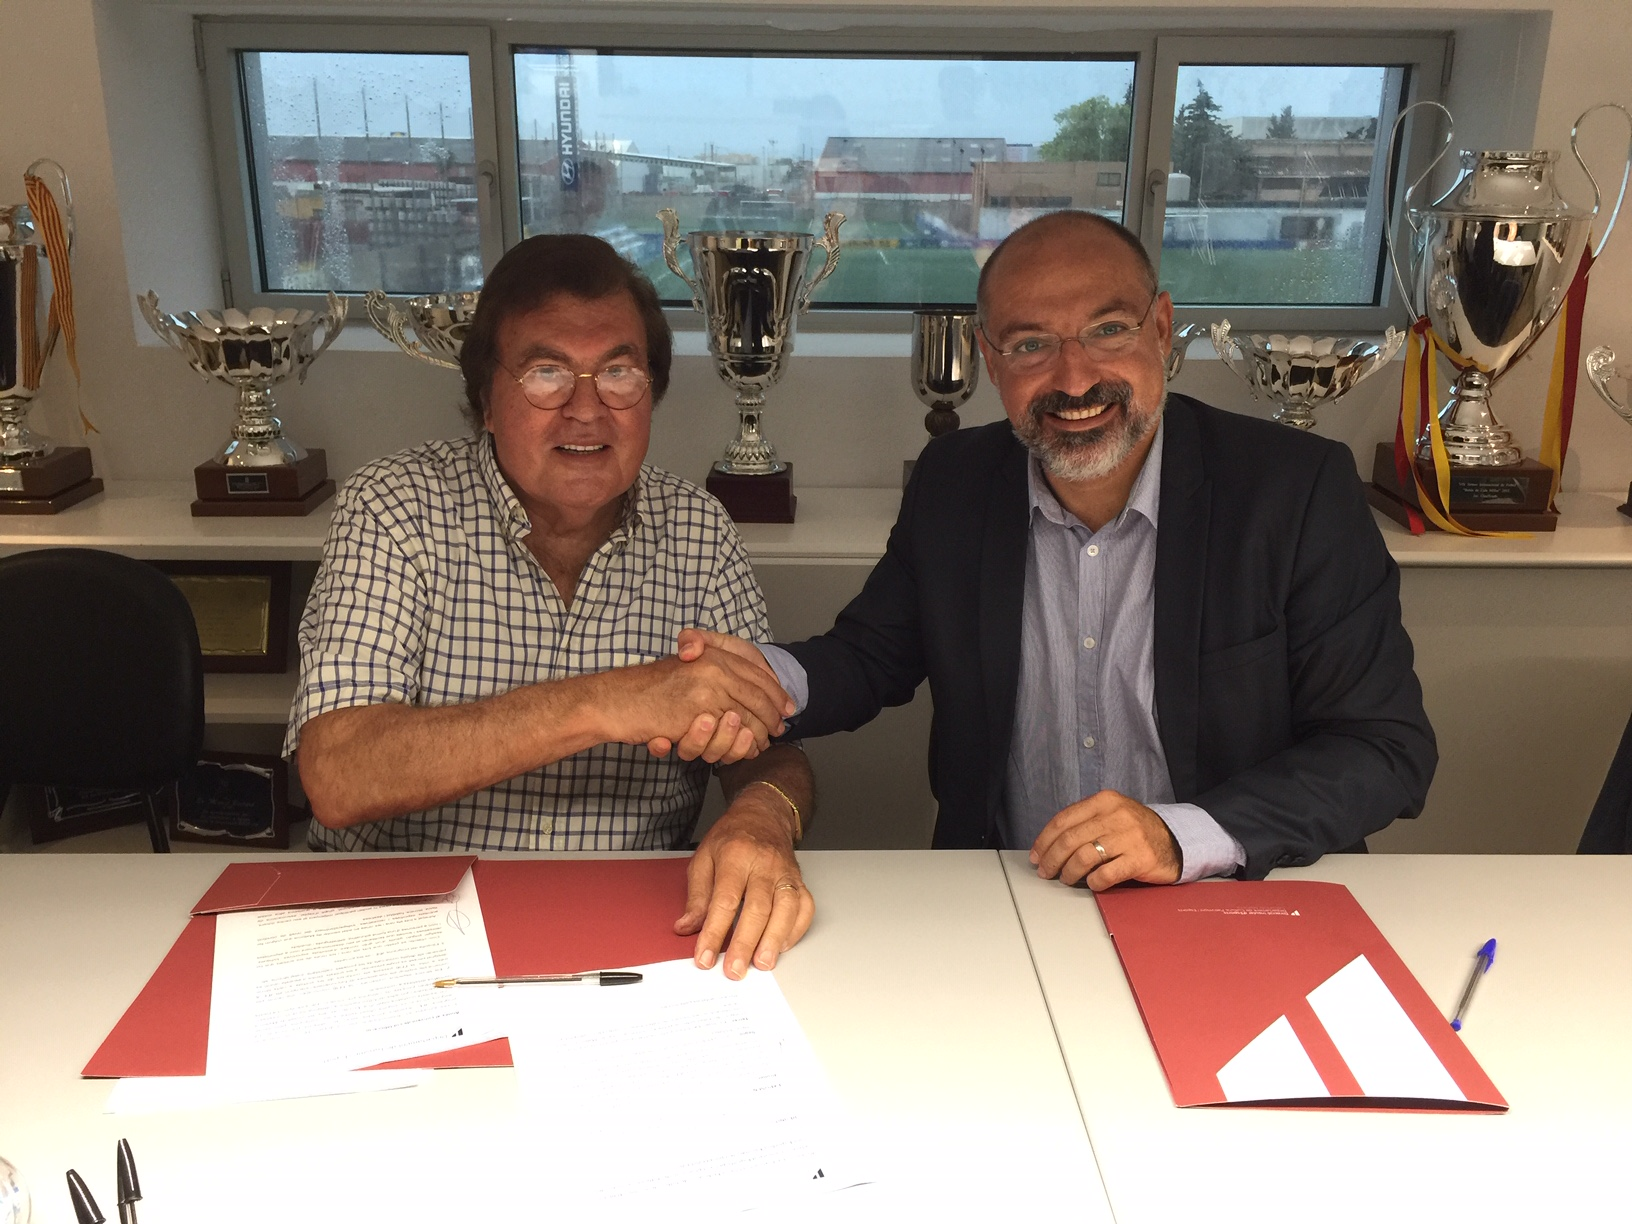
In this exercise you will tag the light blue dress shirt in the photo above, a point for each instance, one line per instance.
(1085, 712)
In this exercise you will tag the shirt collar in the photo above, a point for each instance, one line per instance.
(637, 505)
(1144, 498)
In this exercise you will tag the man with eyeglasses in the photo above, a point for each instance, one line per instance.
(1163, 640)
(486, 655)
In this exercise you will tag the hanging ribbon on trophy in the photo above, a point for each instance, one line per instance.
(42, 205)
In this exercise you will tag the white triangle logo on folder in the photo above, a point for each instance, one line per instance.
(1383, 1049)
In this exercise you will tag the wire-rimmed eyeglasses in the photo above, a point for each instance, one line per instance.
(549, 386)
(1036, 351)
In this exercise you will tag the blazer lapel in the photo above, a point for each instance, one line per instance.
(1002, 598)
(1181, 566)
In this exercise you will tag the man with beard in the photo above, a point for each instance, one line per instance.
(1163, 640)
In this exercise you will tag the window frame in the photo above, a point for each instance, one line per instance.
(1426, 57)
(491, 47)
(221, 40)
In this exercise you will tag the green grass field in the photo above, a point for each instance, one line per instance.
(870, 274)
(1254, 277)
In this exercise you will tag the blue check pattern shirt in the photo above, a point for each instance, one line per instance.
(427, 595)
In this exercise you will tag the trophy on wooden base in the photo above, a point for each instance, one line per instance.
(1493, 260)
(750, 288)
(1600, 369)
(259, 472)
(36, 307)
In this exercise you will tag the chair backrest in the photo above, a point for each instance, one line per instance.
(101, 680)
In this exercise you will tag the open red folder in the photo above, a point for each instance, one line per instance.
(1282, 992)
(542, 916)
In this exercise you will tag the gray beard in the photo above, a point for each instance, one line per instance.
(1087, 456)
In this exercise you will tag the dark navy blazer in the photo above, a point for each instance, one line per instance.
(1285, 695)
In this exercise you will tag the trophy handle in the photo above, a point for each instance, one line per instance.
(1405, 198)
(333, 324)
(64, 193)
(1229, 348)
(1600, 369)
(671, 254)
(829, 242)
(148, 304)
(393, 323)
(1626, 172)
(1392, 339)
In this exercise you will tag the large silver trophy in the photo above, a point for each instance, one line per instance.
(259, 471)
(431, 327)
(750, 287)
(1297, 373)
(1490, 263)
(1600, 370)
(36, 475)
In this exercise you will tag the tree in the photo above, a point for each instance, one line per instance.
(1208, 151)
(1096, 130)
(1282, 126)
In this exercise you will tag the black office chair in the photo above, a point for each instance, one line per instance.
(101, 680)
(1609, 828)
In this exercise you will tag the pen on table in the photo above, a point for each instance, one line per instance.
(130, 1188)
(604, 977)
(1482, 961)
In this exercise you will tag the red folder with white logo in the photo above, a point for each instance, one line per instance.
(542, 916)
(1283, 992)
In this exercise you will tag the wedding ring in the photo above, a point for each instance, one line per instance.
(1102, 855)
(788, 884)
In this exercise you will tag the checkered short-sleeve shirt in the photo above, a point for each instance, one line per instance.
(427, 595)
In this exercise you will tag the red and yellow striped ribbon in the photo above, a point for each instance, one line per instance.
(42, 205)
(1555, 426)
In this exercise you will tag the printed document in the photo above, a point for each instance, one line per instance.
(687, 1087)
(342, 987)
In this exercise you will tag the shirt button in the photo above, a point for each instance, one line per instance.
(1089, 643)
(1093, 550)
(1089, 742)
(547, 825)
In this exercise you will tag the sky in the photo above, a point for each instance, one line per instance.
(679, 105)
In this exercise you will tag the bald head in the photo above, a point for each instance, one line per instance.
(1057, 231)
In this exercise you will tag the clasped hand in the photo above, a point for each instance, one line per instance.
(729, 694)
(1105, 839)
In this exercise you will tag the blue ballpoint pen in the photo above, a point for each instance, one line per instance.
(1482, 961)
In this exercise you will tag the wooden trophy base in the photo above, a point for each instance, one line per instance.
(48, 484)
(1512, 498)
(756, 499)
(289, 490)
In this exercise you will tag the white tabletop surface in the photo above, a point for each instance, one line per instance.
(835, 526)
(1550, 1025)
(914, 987)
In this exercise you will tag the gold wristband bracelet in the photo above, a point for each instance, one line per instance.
(798, 821)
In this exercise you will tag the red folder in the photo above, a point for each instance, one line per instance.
(1284, 992)
(542, 916)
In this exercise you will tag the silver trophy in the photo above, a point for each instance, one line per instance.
(252, 351)
(945, 365)
(26, 339)
(1600, 370)
(431, 327)
(1491, 262)
(1297, 373)
(1182, 337)
(751, 289)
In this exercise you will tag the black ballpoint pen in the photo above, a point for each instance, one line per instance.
(604, 977)
(130, 1188)
(85, 1209)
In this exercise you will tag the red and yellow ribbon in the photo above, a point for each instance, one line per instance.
(42, 205)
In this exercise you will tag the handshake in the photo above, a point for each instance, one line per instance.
(715, 698)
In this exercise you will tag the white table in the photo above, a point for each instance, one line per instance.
(1551, 1024)
(914, 986)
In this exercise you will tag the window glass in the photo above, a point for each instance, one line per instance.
(1275, 194)
(933, 161)
(363, 171)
